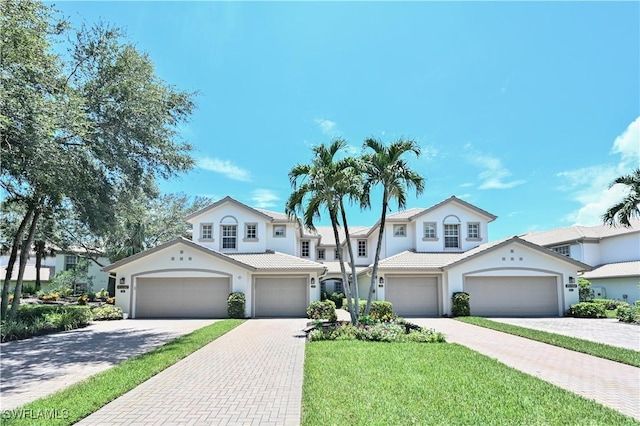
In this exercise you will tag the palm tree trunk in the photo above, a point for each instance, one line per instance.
(376, 260)
(17, 238)
(345, 279)
(356, 296)
(24, 255)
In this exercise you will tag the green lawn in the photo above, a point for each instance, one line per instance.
(364, 383)
(613, 353)
(81, 399)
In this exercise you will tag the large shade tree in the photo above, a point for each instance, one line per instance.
(322, 186)
(79, 129)
(629, 207)
(385, 165)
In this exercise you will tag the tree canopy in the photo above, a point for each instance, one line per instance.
(629, 207)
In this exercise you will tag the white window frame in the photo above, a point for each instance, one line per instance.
(564, 250)
(321, 254)
(202, 228)
(362, 248)
(70, 262)
(477, 236)
(276, 228)
(397, 232)
(428, 225)
(247, 227)
(227, 238)
(448, 235)
(305, 247)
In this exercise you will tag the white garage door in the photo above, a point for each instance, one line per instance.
(281, 297)
(413, 296)
(512, 296)
(181, 297)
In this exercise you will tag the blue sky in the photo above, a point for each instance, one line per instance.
(525, 109)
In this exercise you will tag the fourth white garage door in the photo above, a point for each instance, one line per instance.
(413, 296)
(280, 297)
(181, 297)
(512, 296)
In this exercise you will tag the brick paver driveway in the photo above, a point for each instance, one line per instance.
(34, 368)
(250, 376)
(607, 382)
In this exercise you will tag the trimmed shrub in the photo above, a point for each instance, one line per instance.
(381, 332)
(107, 313)
(337, 298)
(460, 304)
(379, 309)
(425, 336)
(610, 304)
(630, 314)
(587, 310)
(585, 293)
(322, 310)
(236, 305)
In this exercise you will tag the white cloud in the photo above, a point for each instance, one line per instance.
(590, 185)
(225, 167)
(327, 127)
(264, 198)
(466, 185)
(494, 173)
(429, 152)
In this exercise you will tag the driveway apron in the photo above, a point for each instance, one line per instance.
(250, 376)
(610, 383)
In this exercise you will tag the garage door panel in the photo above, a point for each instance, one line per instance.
(512, 296)
(413, 296)
(181, 297)
(281, 297)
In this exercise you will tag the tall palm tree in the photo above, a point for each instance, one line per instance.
(629, 206)
(385, 166)
(322, 185)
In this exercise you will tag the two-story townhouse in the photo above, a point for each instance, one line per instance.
(427, 255)
(612, 251)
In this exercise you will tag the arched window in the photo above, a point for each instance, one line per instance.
(229, 233)
(451, 226)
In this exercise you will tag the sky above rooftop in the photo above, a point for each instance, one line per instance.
(527, 110)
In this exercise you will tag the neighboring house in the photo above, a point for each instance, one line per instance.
(427, 255)
(612, 251)
(61, 261)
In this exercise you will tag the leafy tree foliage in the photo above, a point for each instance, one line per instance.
(629, 207)
(79, 130)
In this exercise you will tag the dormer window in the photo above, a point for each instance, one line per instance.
(279, 231)
(473, 231)
(399, 231)
(206, 231)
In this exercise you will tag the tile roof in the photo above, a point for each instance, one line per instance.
(276, 215)
(333, 267)
(610, 270)
(326, 234)
(578, 233)
(418, 260)
(405, 214)
(275, 261)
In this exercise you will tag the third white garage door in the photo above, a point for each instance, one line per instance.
(413, 296)
(512, 296)
(280, 297)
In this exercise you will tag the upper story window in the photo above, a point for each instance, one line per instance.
(206, 231)
(279, 231)
(321, 254)
(336, 255)
(70, 262)
(563, 250)
(451, 235)
(304, 248)
(399, 231)
(473, 231)
(362, 248)
(229, 236)
(430, 231)
(250, 231)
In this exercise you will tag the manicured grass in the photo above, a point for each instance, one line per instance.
(81, 399)
(364, 383)
(613, 353)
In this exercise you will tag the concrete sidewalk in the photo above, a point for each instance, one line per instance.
(34, 368)
(610, 383)
(250, 376)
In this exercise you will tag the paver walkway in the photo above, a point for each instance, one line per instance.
(610, 383)
(37, 367)
(250, 376)
(609, 331)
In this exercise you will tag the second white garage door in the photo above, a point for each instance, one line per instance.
(413, 296)
(512, 296)
(181, 297)
(280, 297)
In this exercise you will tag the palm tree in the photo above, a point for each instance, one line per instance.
(629, 206)
(385, 166)
(322, 185)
